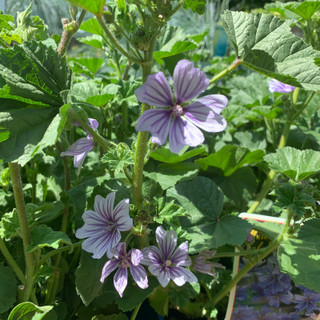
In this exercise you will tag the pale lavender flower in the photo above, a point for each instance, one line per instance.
(103, 225)
(167, 263)
(277, 86)
(175, 118)
(123, 261)
(309, 301)
(201, 263)
(81, 147)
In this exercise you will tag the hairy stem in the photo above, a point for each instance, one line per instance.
(24, 228)
(221, 74)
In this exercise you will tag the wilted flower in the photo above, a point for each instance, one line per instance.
(102, 227)
(201, 263)
(309, 301)
(277, 86)
(123, 261)
(167, 263)
(81, 147)
(172, 117)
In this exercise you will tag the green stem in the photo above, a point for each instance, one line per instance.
(176, 9)
(57, 251)
(238, 253)
(97, 138)
(11, 262)
(116, 43)
(282, 143)
(221, 74)
(24, 228)
(135, 311)
(225, 290)
(68, 33)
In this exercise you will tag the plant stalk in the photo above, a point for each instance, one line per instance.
(221, 74)
(24, 228)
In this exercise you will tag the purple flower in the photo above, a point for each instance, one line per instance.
(267, 313)
(288, 316)
(274, 299)
(173, 117)
(102, 227)
(123, 260)
(166, 263)
(277, 86)
(201, 264)
(244, 313)
(308, 301)
(81, 147)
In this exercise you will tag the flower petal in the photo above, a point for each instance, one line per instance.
(182, 133)
(94, 124)
(120, 280)
(108, 268)
(157, 122)
(277, 86)
(82, 145)
(167, 241)
(139, 275)
(216, 102)
(151, 255)
(97, 245)
(155, 91)
(121, 216)
(180, 256)
(104, 206)
(181, 275)
(136, 256)
(114, 239)
(204, 117)
(188, 81)
(162, 275)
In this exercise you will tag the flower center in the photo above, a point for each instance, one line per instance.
(168, 263)
(177, 110)
(125, 262)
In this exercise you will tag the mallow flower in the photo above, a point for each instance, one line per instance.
(123, 260)
(309, 301)
(103, 225)
(165, 262)
(175, 117)
(81, 147)
(277, 86)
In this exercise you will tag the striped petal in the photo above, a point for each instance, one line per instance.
(104, 206)
(120, 280)
(139, 275)
(181, 275)
(180, 256)
(162, 275)
(97, 245)
(110, 266)
(167, 241)
(80, 147)
(188, 81)
(155, 91)
(121, 216)
(136, 256)
(157, 122)
(182, 133)
(151, 255)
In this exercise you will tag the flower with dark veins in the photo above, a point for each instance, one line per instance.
(103, 225)
(309, 301)
(277, 86)
(165, 262)
(174, 117)
(123, 261)
(81, 147)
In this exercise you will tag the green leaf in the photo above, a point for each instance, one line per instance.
(29, 311)
(203, 202)
(115, 316)
(93, 41)
(266, 44)
(8, 288)
(159, 300)
(300, 259)
(92, 26)
(293, 198)
(268, 229)
(305, 9)
(197, 6)
(168, 212)
(294, 163)
(230, 158)
(88, 275)
(180, 296)
(165, 155)
(310, 232)
(94, 6)
(167, 175)
(43, 236)
(133, 295)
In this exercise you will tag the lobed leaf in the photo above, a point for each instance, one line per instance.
(266, 44)
(94, 6)
(29, 311)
